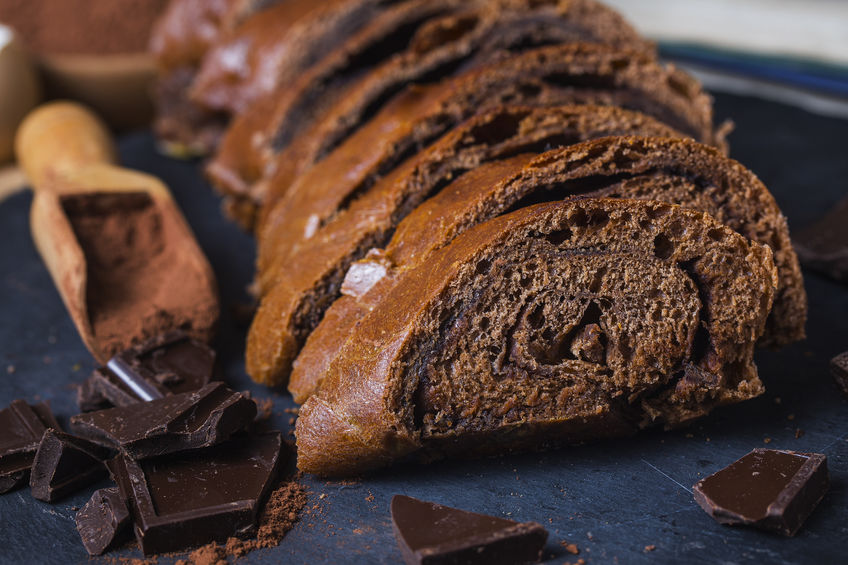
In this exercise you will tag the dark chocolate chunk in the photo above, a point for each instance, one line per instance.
(823, 246)
(768, 489)
(190, 420)
(103, 521)
(431, 533)
(21, 428)
(193, 498)
(839, 370)
(64, 464)
(172, 363)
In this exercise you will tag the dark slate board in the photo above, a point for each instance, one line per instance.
(611, 499)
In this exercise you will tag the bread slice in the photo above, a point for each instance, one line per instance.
(557, 323)
(676, 171)
(301, 280)
(416, 41)
(572, 73)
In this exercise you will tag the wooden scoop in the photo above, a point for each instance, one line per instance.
(120, 252)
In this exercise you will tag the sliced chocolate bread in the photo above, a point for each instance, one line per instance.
(676, 171)
(182, 36)
(562, 74)
(301, 281)
(557, 323)
(420, 42)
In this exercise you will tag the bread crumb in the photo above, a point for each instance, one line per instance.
(767, 440)
(650, 548)
(570, 547)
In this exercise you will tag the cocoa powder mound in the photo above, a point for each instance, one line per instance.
(139, 278)
(83, 26)
(278, 517)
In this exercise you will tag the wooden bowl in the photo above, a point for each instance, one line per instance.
(118, 87)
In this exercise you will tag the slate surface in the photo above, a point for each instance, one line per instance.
(611, 499)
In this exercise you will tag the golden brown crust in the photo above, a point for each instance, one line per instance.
(385, 396)
(696, 176)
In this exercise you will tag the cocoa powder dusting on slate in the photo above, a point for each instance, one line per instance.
(278, 517)
(82, 26)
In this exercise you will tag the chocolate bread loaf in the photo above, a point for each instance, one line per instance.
(304, 279)
(179, 41)
(556, 323)
(676, 171)
(418, 41)
(562, 74)
(241, 49)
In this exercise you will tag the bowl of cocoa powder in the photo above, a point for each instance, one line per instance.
(93, 51)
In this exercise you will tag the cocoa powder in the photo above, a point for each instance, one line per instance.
(278, 517)
(139, 277)
(82, 26)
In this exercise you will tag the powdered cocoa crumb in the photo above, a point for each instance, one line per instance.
(264, 407)
(278, 517)
(132, 560)
(570, 547)
(83, 26)
(207, 555)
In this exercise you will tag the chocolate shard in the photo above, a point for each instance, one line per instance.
(103, 521)
(64, 464)
(432, 534)
(839, 370)
(823, 246)
(21, 428)
(168, 364)
(190, 420)
(768, 489)
(193, 498)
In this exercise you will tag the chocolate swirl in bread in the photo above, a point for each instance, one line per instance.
(556, 323)
(562, 74)
(303, 279)
(676, 171)
(419, 41)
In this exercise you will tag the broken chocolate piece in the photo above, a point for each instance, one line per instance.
(168, 364)
(103, 520)
(193, 498)
(433, 534)
(64, 464)
(823, 246)
(190, 420)
(839, 370)
(768, 489)
(21, 428)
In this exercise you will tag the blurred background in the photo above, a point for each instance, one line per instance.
(94, 51)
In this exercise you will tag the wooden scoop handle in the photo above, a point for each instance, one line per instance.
(58, 138)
